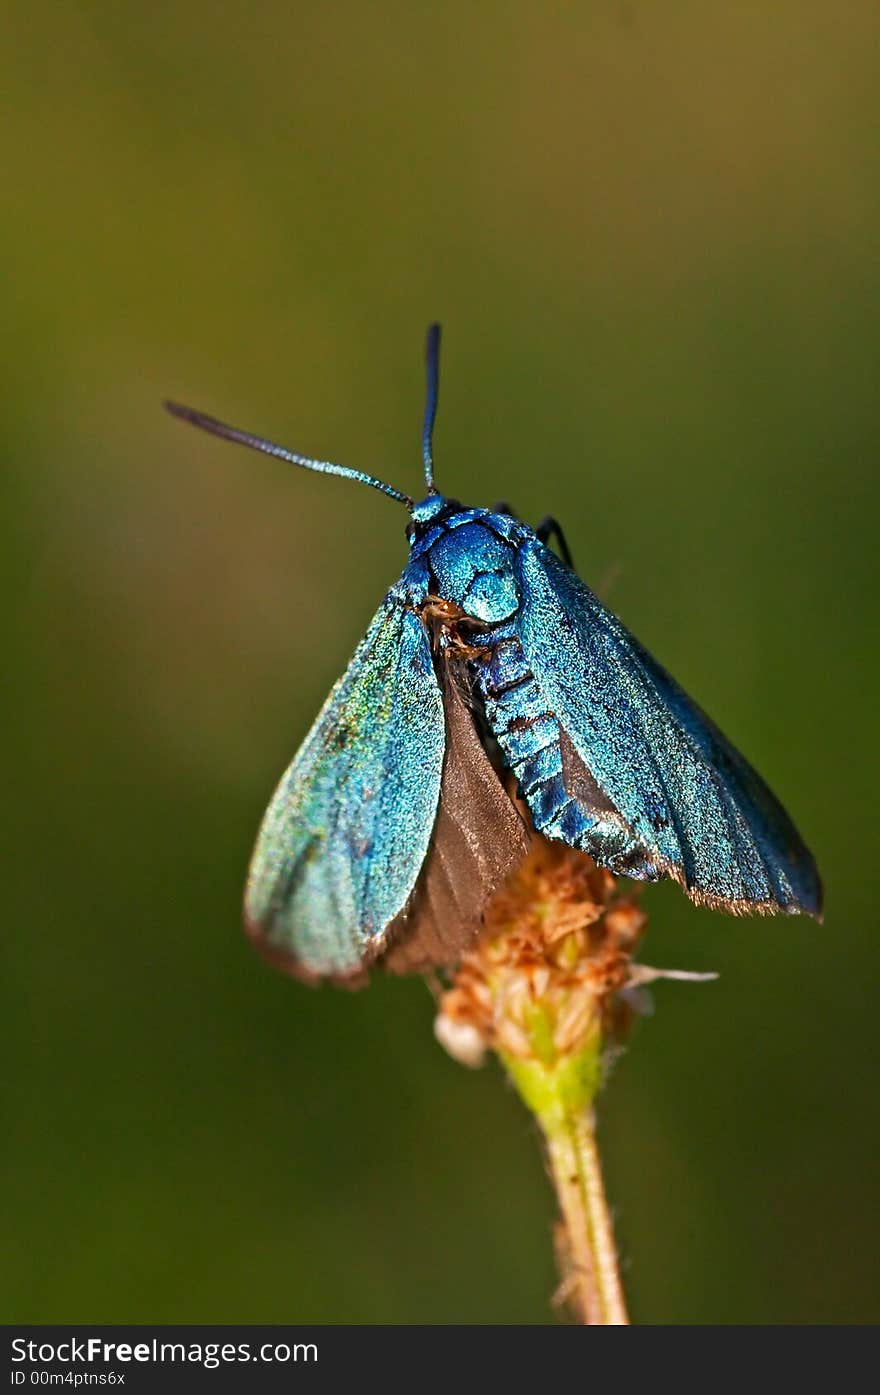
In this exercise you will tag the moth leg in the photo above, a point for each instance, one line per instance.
(549, 528)
(503, 507)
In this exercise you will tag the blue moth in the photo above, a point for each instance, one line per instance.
(494, 694)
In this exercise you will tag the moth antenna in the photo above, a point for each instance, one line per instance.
(244, 438)
(432, 367)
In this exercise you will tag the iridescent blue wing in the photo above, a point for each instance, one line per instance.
(653, 788)
(343, 841)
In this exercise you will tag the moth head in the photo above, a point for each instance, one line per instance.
(430, 511)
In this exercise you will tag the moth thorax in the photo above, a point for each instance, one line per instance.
(474, 568)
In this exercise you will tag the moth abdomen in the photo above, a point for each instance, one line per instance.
(528, 735)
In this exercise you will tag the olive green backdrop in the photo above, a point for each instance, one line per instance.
(651, 233)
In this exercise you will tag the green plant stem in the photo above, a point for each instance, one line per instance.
(559, 1091)
(593, 1276)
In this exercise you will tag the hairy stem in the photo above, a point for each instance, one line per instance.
(591, 1277)
(560, 1092)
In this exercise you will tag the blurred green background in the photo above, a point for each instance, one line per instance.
(651, 233)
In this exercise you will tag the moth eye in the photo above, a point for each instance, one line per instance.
(410, 532)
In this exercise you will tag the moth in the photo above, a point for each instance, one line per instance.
(494, 694)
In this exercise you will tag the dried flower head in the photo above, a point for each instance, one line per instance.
(546, 974)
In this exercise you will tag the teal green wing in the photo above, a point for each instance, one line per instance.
(345, 836)
(651, 787)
